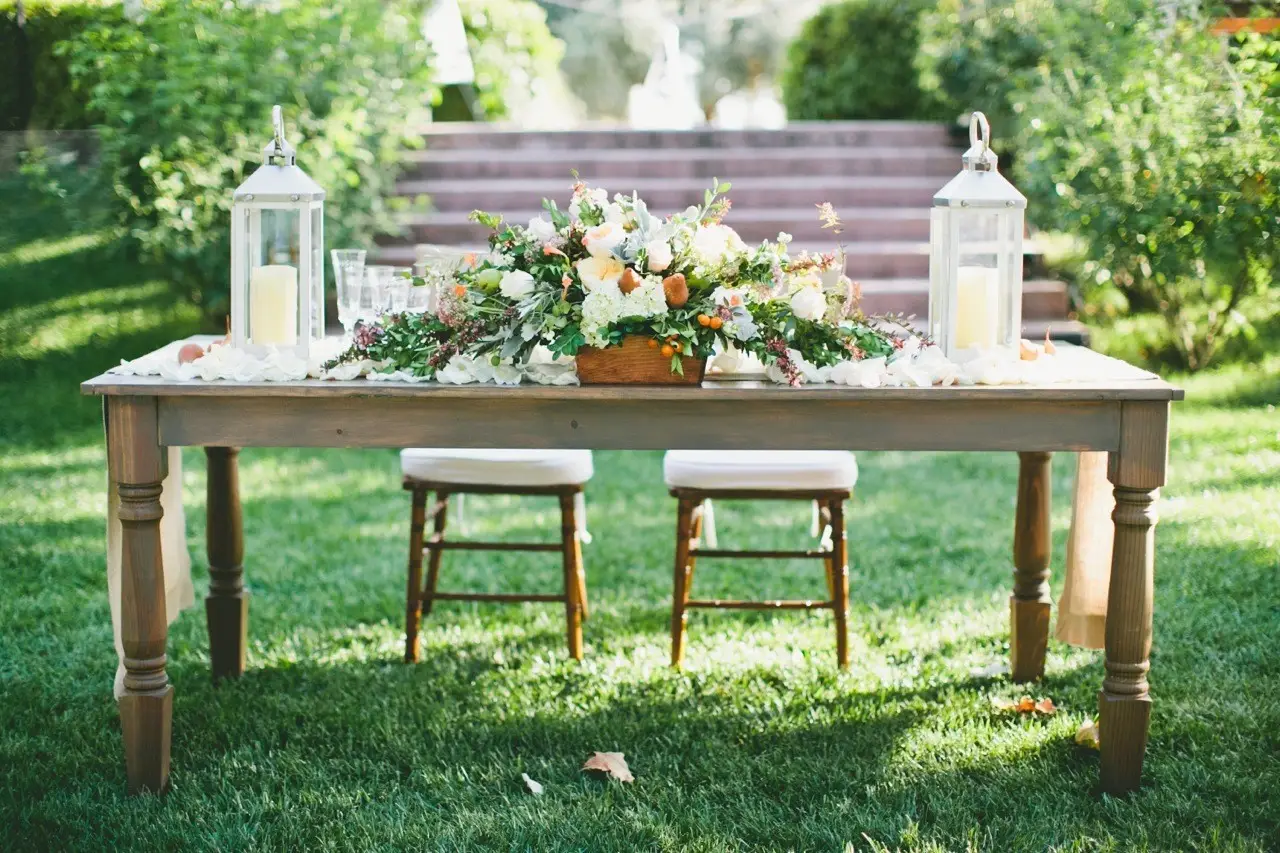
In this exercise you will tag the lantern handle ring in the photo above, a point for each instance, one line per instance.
(279, 147)
(979, 157)
(979, 130)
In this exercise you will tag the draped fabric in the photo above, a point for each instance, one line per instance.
(1082, 610)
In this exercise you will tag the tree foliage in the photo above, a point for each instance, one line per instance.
(856, 60)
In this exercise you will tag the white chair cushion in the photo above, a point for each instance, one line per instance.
(760, 470)
(497, 467)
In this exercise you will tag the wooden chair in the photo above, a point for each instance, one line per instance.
(697, 477)
(558, 473)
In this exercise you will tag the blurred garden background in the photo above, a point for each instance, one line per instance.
(1146, 134)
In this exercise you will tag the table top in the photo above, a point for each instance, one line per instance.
(1111, 380)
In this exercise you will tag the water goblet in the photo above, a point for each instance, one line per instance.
(348, 274)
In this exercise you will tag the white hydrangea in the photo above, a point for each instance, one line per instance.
(600, 309)
(647, 300)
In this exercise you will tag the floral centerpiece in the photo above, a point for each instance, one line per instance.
(604, 277)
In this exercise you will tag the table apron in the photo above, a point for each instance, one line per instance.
(622, 424)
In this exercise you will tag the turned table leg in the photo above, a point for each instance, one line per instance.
(137, 465)
(227, 604)
(1137, 471)
(1030, 603)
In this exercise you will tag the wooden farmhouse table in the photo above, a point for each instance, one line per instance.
(1127, 416)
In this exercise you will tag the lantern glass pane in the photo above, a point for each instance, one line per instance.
(317, 271)
(273, 316)
(1011, 227)
(977, 279)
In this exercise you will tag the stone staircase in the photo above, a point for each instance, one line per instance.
(880, 176)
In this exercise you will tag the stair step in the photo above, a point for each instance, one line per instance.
(603, 166)
(469, 136)
(665, 195)
(868, 223)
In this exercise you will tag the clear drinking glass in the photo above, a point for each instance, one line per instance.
(446, 259)
(378, 280)
(348, 274)
(398, 294)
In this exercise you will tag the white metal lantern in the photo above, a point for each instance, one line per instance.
(277, 254)
(975, 262)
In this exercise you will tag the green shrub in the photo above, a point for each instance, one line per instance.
(988, 54)
(37, 91)
(512, 49)
(855, 60)
(1159, 151)
(185, 97)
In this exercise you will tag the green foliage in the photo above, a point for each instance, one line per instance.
(185, 95)
(513, 52)
(988, 54)
(1164, 162)
(329, 742)
(37, 92)
(855, 60)
(1145, 137)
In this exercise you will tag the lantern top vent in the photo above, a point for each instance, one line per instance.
(980, 183)
(278, 179)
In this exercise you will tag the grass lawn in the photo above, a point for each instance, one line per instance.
(329, 742)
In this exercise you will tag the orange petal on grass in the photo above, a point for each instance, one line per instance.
(1045, 706)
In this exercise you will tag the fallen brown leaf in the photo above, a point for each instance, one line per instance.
(1025, 705)
(611, 764)
(1087, 735)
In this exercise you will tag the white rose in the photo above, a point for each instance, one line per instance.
(714, 243)
(613, 213)
(808, 303)
(730, 296)
(659, 254)
(541, 229)
(601, 240)
(516, 285)
(599, 272)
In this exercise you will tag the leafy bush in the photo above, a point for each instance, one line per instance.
(513, 52)
(856, 60)
(1160, 154)
(185, 95)
(988, 54)
(37, 91)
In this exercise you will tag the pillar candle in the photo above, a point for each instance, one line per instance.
(977, 308)
(273, 305)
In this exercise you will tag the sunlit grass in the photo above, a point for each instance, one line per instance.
(330, 743)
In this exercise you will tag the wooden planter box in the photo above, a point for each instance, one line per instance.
(635, 363)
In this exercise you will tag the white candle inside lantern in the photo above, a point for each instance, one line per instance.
(977, 308)
(273, 305)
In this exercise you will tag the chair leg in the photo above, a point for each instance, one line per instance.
(829, 564)
(696, 523)
(684, 527)
(572, 579)
(413, 596)
(580, 569)
(433, 560)
(840, 549)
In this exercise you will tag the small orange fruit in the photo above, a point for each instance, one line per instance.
(653, 343)
(704, 320)
(668, 351)
(716, 322)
